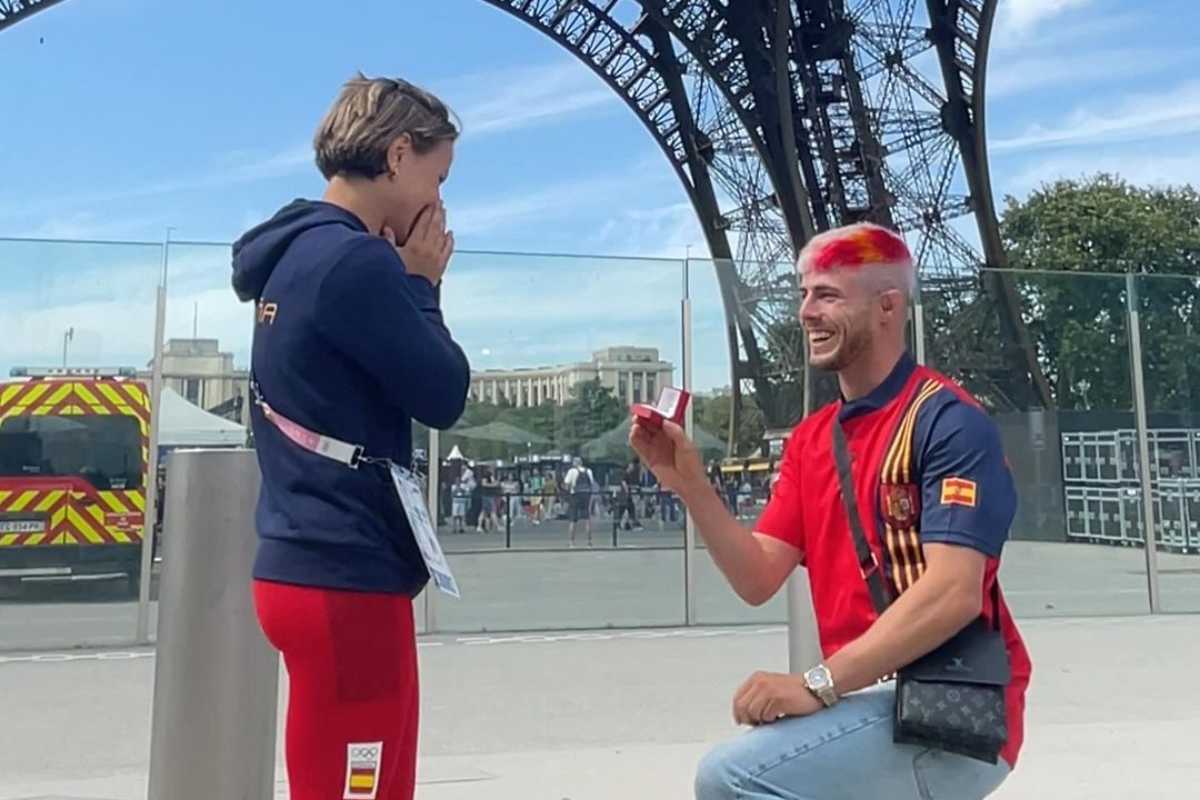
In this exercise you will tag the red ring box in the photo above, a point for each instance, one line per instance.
(672, 404)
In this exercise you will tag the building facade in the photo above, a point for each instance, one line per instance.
(206, 377)
(632, 374)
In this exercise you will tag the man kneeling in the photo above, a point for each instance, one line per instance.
(932, 496)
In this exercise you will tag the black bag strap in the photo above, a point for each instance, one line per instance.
(868, 564)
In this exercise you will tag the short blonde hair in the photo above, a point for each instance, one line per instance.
(368, 115)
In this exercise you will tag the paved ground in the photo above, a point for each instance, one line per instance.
(639, 586)
(626, 714)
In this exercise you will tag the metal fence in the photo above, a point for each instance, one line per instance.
(1102, 486)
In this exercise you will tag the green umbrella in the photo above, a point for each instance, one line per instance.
(500, 431)
(615, 442)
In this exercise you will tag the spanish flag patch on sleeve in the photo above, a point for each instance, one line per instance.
(959, 492)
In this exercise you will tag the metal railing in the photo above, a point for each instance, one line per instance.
(542, 520)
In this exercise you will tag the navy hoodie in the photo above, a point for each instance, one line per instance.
(347, 344)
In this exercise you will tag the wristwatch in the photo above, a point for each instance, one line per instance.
(819, 681)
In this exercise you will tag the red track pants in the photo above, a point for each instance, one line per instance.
(353, 702)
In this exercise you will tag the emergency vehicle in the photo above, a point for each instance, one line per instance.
(74, 456)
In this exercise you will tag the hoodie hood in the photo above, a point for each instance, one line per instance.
(258, 250)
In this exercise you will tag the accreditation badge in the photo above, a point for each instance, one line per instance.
(408, 487)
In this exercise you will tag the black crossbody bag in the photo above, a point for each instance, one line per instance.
(952, 698)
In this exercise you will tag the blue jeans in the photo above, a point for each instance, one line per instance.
(842, 753)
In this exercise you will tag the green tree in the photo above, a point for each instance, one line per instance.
(712, 414)
(591, 411)
(540, 421)
(782, 395)
(1079, 322)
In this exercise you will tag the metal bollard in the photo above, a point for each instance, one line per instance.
(804, 646)
(507, 521)
(216, 677)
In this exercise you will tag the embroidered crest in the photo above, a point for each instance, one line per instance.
(362, 770)
(901, 504)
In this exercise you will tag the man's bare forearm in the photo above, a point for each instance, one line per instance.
(733, 547)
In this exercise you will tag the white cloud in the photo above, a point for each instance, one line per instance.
(519, 205)
(499, 116)
(551, 202)
(1139, 117)
(1092, 28)
(114, 331)
(494, 102)
(231, 169)
(118, 330)
(1024, 73)
(1022, 15)
(525, 96)
(251, 167)
(87, 225)
(670, 231)
(107, 294)
(1133, 164)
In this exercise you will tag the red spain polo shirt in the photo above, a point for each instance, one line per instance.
(928, 466)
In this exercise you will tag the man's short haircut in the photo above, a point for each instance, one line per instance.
(878, 254)
(371, 113)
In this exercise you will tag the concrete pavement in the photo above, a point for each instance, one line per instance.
(1114, 713)
(640, 586)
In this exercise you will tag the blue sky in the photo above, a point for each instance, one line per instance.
(124, 117)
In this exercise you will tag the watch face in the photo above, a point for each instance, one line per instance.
(817, 677)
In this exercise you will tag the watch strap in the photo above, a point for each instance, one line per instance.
(826, 694)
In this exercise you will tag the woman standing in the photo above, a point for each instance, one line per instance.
(349, 348)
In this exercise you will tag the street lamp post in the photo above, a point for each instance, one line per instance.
(68, 336)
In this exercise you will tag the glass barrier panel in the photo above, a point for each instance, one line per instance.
(1073, 546)
(423, 452)
(540, 495)
(74, 439)
(1169, 316)
(742, 434)
(206, 358)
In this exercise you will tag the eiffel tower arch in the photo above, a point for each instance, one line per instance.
(783, 118)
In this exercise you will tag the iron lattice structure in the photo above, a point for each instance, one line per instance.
(782, 119)
(13, 11)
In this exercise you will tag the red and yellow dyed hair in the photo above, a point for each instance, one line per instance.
(854, 247)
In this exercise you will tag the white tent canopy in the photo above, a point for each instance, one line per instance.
(183, 424)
